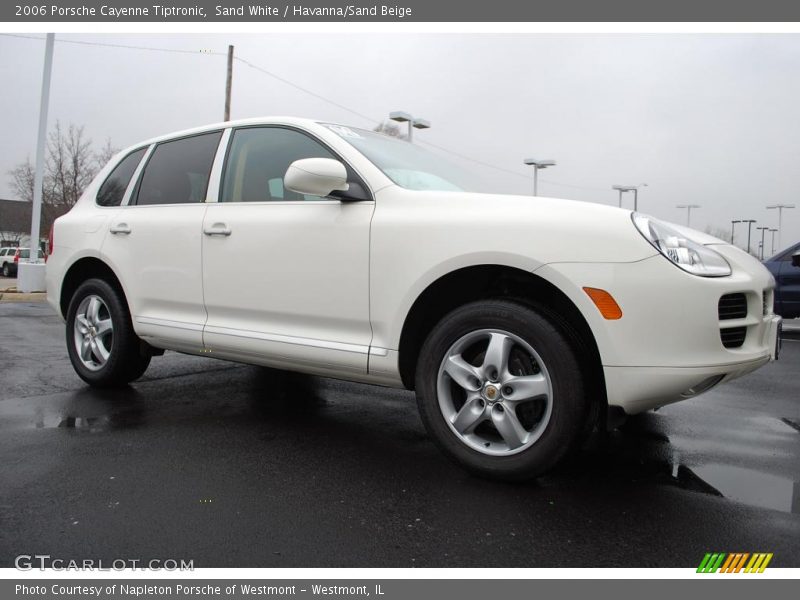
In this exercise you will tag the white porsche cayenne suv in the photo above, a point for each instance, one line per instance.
(520, 322)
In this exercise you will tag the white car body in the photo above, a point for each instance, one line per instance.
(327, 286)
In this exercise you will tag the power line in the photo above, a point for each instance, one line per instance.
(122, 46)
(305, 91)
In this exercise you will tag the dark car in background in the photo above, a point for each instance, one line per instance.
(785, 267)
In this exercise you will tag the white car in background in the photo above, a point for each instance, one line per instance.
(519, 321)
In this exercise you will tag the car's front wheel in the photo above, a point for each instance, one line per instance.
(6, 270)
(102, 346)
(500, 390)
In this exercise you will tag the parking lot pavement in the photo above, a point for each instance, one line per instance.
(231, 465)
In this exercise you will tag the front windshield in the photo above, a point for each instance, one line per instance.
(406, 164)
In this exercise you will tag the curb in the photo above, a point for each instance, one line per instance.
(21, 297)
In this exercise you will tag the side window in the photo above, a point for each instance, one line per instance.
(113, 188)
(178, 171)
(258, 159)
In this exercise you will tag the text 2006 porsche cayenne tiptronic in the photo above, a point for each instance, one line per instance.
(330, 250)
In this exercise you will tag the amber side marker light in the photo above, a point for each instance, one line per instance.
(605, 303)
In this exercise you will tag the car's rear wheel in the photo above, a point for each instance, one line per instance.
(6, 270)
(500, 390)
(102, 346)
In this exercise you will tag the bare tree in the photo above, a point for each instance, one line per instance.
(719, 232)
(70, 165)
(22, 180)
(105, 154)
(390, 129)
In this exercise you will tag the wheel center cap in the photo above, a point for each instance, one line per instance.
(491, 393)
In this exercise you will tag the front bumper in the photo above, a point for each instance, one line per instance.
(668, 345)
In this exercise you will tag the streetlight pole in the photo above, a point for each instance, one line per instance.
(29, 277)
(763, 231)
(733, 229)
(629, 188)
(780, 208)
(538, 164)
(749, 228)
(772, 231)
(688, 208)
(413, 122)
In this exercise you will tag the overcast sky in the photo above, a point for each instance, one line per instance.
(702, 119)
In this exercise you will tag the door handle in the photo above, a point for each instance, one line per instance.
(217, 229)
(120, 228)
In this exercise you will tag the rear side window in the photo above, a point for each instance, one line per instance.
(113, 188)
(178, 171)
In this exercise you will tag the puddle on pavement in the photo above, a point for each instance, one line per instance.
(642, 451)
(87, 411)
(751, 487)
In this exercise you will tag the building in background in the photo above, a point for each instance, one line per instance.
(15, 223)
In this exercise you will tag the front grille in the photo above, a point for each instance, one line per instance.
(732, 306)
(733, 337)
(766, 305)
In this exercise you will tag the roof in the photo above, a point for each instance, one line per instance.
(224, 125)
(15, 216)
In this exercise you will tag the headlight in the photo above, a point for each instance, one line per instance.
(687, 254)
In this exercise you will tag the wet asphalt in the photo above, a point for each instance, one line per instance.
(232, 465)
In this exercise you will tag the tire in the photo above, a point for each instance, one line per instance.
(490, 427)
(98, 322)
(6, 270)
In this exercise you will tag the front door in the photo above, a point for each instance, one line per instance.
(285, 276)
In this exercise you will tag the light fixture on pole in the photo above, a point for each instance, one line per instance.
(772, 231)
(733, 227)
(688, 208)
(413, 123)
(538, 164)
(763, 231)
(780, 208)
(749, 228)
(629, 188)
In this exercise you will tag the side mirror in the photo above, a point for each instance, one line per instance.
(316, 176)
(796, 259)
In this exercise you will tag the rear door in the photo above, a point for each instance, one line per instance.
(153, 242)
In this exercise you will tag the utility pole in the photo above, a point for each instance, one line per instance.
(733, 229)
(763, 231)
(772, 231)
(688, 208)
(749, 228)
(780, 208)
(228, 84)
